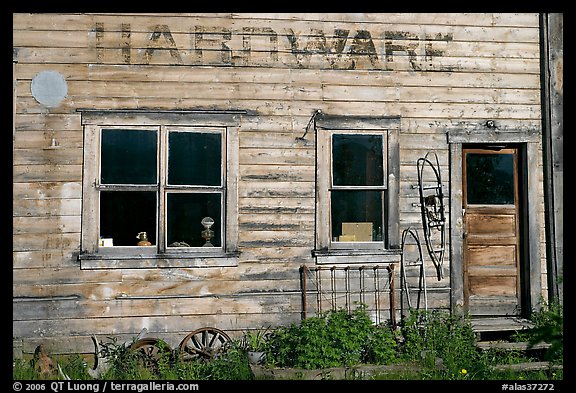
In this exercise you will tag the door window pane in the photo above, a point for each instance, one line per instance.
(128, 156)
(194, 158)
(124, 214)
(357, 160)
(490, 179)
(185, 212)
(356, 215)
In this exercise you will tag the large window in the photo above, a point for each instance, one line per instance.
(159, 186)
(357, 188)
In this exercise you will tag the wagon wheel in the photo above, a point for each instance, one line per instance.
(432, 209)
(204, 343)
(150, 350)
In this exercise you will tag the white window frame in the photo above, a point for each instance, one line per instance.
(226, 123)
(328, 251)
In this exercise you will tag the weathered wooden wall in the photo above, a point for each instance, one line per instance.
(439, 72)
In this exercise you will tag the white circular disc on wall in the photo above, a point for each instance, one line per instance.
(49, 88)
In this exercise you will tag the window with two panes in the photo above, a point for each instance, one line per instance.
(357, 192)
(357, 189)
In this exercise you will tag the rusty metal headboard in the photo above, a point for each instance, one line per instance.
(349, 287)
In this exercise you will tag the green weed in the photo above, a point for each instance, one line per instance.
(336, 338)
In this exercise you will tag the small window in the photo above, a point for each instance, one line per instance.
(358, 160)
(128, 156)
(184, 214)
(124, 214)
(490, 179)
(195, 158)
(357, 189)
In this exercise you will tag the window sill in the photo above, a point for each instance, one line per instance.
(324, 257)
(157, 261)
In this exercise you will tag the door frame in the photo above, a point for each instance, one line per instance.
(527, 142)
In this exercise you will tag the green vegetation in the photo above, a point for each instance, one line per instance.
(445, 344)
(126, 364)
(549, 328)
(331, 340)
(255, 340)
(437, 345)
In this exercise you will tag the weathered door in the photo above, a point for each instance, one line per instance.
(491, 231)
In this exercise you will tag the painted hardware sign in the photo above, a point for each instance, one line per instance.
(264, 46)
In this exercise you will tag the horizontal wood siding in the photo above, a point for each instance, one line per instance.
(438, 72)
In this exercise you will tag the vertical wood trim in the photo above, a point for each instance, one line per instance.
(162, 169)
(232, 170)
(556, 50)
(90, 211)
(323, 160)
(534, 226)
(517, 222)
(393, 163)
(551, 26)
(457, 227)
(14, 84)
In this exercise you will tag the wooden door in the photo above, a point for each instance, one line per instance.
(491, 231)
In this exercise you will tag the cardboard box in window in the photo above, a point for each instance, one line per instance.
(362, 231)
(106, 242)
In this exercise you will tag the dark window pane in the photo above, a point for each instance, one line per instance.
(195, 158)
(357, 215)
(123, 214)
(490, 179)
(357, 160)
(128, 156)
(184, 216)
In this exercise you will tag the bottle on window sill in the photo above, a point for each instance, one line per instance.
(143, 239)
